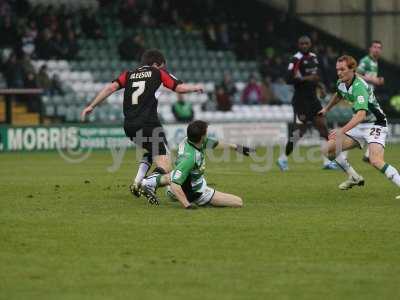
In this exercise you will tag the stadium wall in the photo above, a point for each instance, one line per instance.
(98, 137)
(356, 22)
(45, 138)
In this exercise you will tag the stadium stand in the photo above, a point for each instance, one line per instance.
(196, 51)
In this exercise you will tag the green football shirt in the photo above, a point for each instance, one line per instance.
(190, 165)
(368, 66)
(362, 97)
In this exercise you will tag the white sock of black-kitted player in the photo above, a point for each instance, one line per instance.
(144, 167)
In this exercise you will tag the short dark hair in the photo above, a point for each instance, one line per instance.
(375, 42)
(303, 38)
(152, 56)
(196, 130)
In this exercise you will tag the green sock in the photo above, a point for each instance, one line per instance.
(158, 179)
(384, 168)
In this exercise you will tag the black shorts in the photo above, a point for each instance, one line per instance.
(305, 110)
(149, 137)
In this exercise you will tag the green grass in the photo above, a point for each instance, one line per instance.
(72, 231)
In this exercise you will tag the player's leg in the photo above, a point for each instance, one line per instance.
(296, 132)
(150, 184)
(226, 200)
(365, 157)
(153, 141)
(376, 137)
(376, 159)
(319, 123)
(158, 144)
(367, 128)
(132, 131)
(163, 163)
(157, 152)
(333, 149)
(158, 178)
(144, 167)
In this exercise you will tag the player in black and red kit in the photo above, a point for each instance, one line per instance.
(141, 123)
(303, 73)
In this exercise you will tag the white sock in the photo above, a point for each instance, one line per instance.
(144, 166)
(142, 171)
(283, 157)
(367, 153)
(151, 180)
(344, 164)
(391, 173)
(325, 160)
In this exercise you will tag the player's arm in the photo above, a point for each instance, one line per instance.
(361, 108)
(180, 195)
(311, 78)
(100, 97)
(335, 99)
(238, 148)
(184, 88)
(176, 85)
(104, 93)
(179, 176)
(315, 76)
(372, 79)
(362, 72)
(293, 74)
(355, 120)
(213, 143)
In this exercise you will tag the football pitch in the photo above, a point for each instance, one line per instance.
(73, 231)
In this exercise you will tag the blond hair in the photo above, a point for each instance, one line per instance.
(350, 61)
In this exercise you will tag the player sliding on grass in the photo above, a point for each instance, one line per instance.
(354, 89)
(187, 183)
(141, 122)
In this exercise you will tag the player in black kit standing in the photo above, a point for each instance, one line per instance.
(303, 73)
(141, 123)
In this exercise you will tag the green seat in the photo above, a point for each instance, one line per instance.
(113, 64)
(56, 99)
(194, 64)
(244, 75)
(217, 75)
(71, 114)
(184, 64)
(61, 110)
(242, 65)
(92, 64)
(49, 110)
(192, 53)
(236, 75)
(104, 64)
(173, 63)
(207, 75)
(83, 66)
(223, 64)
(197, 76)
